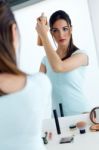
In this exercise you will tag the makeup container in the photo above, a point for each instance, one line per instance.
(94, 127)
(43, 20)
(81, 126)
(72, 127)
(50, 135)
(45, 141)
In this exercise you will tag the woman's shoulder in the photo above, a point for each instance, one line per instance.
(85, 53)
(36, 85)
(79, 51)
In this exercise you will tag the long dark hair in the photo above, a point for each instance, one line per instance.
(60, 14)
(8, 63)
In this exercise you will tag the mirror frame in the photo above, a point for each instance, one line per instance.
(93, 115)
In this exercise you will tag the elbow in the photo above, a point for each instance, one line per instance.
(60, 68)
(57, 69)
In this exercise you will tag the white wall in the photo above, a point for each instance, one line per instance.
(93, 7)
(94, 10)
(31, 54)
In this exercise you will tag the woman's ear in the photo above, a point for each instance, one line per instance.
(13, 32)
(14, 35)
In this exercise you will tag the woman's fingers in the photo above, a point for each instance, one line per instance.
(41, 28)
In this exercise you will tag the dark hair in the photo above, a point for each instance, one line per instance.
(60, 14)
(8, 62)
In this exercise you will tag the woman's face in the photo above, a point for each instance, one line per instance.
(61, 32)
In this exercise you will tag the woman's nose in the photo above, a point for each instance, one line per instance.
(61, 33)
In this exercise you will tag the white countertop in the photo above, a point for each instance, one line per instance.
(87, 141)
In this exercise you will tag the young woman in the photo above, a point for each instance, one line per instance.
(22, 97)
(65, 66)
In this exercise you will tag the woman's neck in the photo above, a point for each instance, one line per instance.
(61, 51)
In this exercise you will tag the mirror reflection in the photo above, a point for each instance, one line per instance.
(83, 38)
(65, 66)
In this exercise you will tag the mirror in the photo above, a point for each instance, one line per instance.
(31, 54)
(94, 117)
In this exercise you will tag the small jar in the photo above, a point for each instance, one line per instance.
(81, 126)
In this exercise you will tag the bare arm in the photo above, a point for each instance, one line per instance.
(68, 64)
(57, 64)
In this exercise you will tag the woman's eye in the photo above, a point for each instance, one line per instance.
(54, 30)
(65, 29)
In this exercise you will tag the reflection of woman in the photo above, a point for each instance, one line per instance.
(66, 66)
(22, 97)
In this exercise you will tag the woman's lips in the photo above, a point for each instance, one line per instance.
(62, 40)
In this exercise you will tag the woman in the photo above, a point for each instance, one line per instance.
(65, 66)
(22, 97)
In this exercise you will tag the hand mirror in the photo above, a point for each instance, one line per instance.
(94, 117)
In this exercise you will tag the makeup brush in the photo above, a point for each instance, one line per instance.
(61, 110)
(56, 121)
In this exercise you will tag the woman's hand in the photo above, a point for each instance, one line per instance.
(42, 27)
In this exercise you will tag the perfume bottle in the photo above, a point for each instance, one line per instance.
(43, 20)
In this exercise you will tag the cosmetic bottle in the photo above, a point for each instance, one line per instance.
(43, 20)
